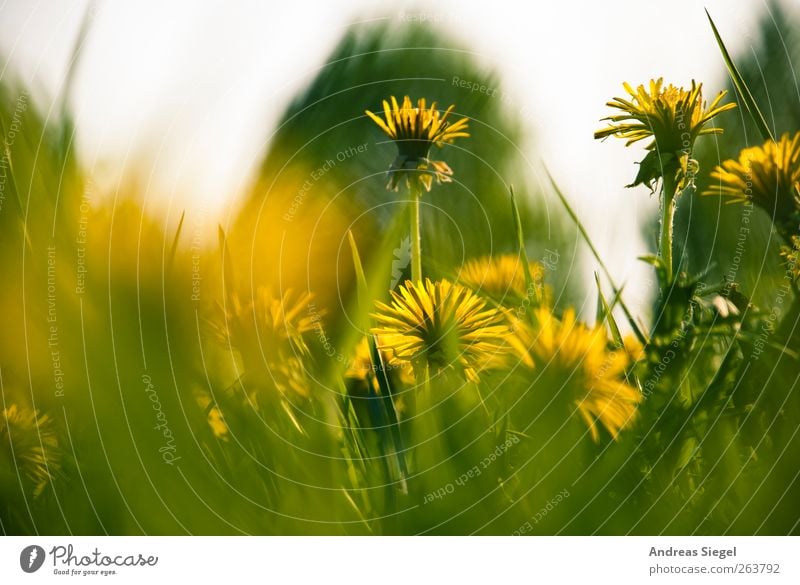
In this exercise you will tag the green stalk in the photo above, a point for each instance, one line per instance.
(416, 236)
(667, 212)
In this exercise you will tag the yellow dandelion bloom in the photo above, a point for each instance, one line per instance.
(579, 359)
(768, 176)
(265, 319)
(269, 333)
(441, 324)
(501, 277)
(672, 116)
(29, 447)
(414, 130)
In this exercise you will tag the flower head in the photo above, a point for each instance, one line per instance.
(441, 324)
(501, 278)
(672, 116)
(266, 318)
(579, 361)
(269, 333)
(768, 176)
(29, 446)
(414, 130)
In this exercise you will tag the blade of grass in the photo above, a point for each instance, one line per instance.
(741, 86)
(377, 277)
(361, 279)
(520, 235)
(13, 184)
(604, 312)
(76, 54)
(175, 239)
(386, 393)
(228, 283)
(636, 329)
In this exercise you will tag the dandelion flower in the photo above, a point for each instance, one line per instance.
(269, 334)
(768, 176)
(287, 317)
(672, 116)
(414, 130)
(578, 359)
(440, 324)
(29, 446)
(501, 278)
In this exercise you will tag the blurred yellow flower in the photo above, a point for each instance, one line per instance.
(579, 359)
(266, 318)
(361, 366)
(214, 416)
(269, 333)
(501, 278)
(768, 176)
(439, 325)
(29, 446)
(414, 130)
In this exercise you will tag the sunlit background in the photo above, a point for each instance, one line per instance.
(188, 93)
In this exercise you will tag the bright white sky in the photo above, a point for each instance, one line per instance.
(191, 89)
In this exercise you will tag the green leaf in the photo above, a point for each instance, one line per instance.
(653, 167)
(657, 263)
(652, 259)
(741, 86)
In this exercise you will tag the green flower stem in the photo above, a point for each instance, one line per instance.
(667, 212)
(416, 237)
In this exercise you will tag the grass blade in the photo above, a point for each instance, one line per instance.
(381, 375)
(604, 312)
(741, 86)
(529, 284)
(361, 279)
(175, 239)
(228, 283)
(617, 292)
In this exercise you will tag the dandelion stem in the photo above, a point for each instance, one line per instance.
(416, 238)
(667, 212)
